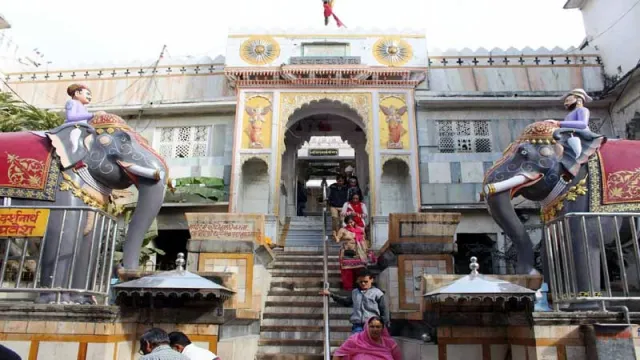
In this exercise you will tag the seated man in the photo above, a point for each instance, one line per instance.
(75, 109)
(577, 118)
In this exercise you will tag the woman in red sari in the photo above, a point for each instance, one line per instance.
(356, 208)
(353, 254)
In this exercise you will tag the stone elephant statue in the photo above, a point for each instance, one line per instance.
(93, 159)
(541, 166)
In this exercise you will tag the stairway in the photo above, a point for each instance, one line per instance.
(292, 323)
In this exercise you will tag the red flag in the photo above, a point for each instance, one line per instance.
(328, 11)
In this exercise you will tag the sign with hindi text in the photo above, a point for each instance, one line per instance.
(219, 226)
(23, 222)
(323, 152)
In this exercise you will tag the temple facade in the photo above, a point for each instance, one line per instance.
(424, 125)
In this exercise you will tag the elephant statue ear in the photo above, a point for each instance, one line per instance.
(71, 142)
(575, 154)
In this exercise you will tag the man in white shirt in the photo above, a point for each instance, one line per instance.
(181, 343)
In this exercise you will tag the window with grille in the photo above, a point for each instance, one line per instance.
(464, 136)
(184, 142)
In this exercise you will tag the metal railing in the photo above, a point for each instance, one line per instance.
(39, 258)
(325, 275)
(585, 249)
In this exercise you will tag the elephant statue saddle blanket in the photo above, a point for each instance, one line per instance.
(614, 177)
(29, 168)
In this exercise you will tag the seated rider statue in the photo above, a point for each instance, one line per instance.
(577, 118)
(75, 109)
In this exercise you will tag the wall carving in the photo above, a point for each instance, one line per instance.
(257, 117)
(394, 122)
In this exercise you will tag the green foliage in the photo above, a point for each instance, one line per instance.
(16, 115)
(208, 188)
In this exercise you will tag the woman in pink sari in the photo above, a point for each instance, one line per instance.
(374, 343)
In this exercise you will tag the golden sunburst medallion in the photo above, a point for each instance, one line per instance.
(392, 51)
(259, 50)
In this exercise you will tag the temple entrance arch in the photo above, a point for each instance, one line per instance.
(348, 115)
(339, 135)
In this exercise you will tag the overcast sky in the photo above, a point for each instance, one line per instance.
(76, 32)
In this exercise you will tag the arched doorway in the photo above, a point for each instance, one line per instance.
(322, 118)
(254, 186)
(395, 187)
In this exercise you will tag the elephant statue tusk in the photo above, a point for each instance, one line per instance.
(501, 186)
(154, 174)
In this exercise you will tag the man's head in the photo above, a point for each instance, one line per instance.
(340, 180)
(575, 98)
(364, 279)
(151, 339)
(79, 92)
(178, 341)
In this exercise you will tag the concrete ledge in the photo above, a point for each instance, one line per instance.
(216, 246)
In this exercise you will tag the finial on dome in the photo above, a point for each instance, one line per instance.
(474, 265)
(180, 262)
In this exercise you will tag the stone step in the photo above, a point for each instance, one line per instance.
(315, 284)
(297, 343)
(293, 311)
(315, 297)
(304, 335)
(314, 303)
(305, 258)
(307, 272)
(305, 323)
(306, 316)
(304, 265)
(283, 352)
(289, 293)
(263, 356)
(311, 275)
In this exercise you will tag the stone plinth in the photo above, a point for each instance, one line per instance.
(418, 244)
(82, 332)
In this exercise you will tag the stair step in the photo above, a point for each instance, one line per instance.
(286, 350)
(304, 335)
(305, 259)
(306, 272)
(296, 356)
(295, 298)
(303, 293)
(296, 342)
(306, 316)
(295, 311)
(311, 275)
(311, 323)
(304, 304)
(304, 328)
(308, 265)
(307, 284)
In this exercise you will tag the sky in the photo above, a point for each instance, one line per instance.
(90, 31)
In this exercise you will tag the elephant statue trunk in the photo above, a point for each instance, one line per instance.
(152, 196)
(504, 214)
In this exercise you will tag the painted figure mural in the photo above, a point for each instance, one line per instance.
(78, 164)
(394, 111)
(542, 166)
(257, 123)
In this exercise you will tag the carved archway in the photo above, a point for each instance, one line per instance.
(356, 107)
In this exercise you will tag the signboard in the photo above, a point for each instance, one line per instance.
(217, 226)
(23, 222)
(324, 60)
(323, 152)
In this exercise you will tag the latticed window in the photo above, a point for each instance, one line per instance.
(184, 142)
(455, 136)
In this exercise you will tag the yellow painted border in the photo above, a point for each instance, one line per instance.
(248, 292)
